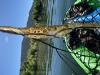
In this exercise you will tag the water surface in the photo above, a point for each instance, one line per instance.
(56, 11)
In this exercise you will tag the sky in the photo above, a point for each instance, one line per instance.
(12, 13)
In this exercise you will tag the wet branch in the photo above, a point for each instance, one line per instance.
(38, 32)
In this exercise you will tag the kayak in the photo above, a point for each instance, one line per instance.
(86, 59)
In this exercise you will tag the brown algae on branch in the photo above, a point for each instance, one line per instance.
(39, 32)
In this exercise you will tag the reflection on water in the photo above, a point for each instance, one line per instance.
(56, 10)
(55, 65)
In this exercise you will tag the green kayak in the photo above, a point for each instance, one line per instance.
(87, 60)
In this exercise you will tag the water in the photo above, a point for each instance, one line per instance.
(56, 11)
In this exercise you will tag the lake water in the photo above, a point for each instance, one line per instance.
(56, 11)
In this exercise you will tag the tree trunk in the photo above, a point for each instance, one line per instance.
(38, 32)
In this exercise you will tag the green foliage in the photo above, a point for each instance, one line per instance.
(29, 66)
(39, 11)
